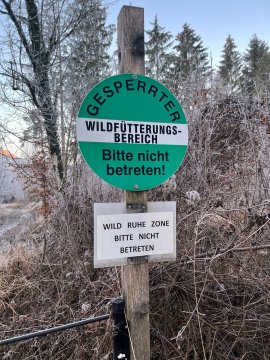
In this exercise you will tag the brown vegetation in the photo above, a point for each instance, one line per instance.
(212, 303)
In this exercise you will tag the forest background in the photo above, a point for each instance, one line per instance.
(213, 302)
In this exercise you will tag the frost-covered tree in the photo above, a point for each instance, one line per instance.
(84, 61)
(157, 51)
(191, 57)
(87, 56)
(48, 45)
(230, 64)
(32, 41)
(257, 64)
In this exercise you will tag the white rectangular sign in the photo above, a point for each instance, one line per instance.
(123, 235)
(116, 131)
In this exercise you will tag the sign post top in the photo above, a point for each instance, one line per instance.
(132, 131)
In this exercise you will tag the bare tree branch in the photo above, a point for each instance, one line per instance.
(19, 29)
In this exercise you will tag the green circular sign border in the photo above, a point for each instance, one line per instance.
(89, 149)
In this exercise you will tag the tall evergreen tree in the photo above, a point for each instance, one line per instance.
(191, 57)
(86, 61)
(230, 64)
(88, 57)
(257, 64)
(158, 57)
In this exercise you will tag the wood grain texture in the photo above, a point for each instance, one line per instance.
(130, 36)
(135, 278)
(136, 294)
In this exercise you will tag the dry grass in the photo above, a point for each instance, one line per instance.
(212, 303)
(42, 290)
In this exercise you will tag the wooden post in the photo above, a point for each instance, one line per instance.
(130, 30)
(130, 34)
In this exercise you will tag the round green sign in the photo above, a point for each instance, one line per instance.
(132, 132)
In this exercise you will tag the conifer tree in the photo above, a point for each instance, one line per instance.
(158, 57)
(191, 57)
(230, 64)
(257, 64)
(88, 58)
(86, 61)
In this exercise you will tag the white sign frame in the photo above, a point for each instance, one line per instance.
(113, 213)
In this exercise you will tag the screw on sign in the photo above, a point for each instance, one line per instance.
(132, 132)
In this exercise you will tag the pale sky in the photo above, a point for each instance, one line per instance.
(213, 20)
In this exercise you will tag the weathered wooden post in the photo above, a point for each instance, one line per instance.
(133, 133)
(135, 276)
